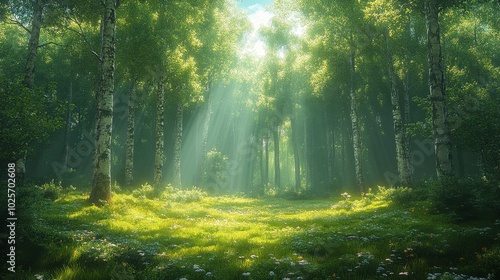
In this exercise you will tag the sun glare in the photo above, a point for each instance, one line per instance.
(253, 45)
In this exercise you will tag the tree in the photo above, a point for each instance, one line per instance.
(437, 93)
(101, 183)
(389, 20)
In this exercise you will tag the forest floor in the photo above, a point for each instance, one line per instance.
(230, 237)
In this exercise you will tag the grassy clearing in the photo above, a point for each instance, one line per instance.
(242, 238)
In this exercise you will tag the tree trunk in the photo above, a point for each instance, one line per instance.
(440, 127)
(407, 98)
(330, 149)
(29, 73)
(266, 163)
(204, 140)
(178, 147)
(306, 156)
(159, 158)
(36, 25)
(296, 158)
(277, 173)
(65, 157)
(399, 133)
(101, 183)
(354, 118)
(129, 152)
(261, 161)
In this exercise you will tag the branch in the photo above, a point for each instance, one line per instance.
(51, 43)
(85, 39)
(16, 22)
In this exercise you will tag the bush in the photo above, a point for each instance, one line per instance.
(145, 191)
(51, 190)
(191, 195)
(400, 195)
(465, 198)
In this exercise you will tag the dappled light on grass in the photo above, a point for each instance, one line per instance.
(231, 237)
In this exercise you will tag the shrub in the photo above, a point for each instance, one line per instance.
(399, 195)
(190, 195)
(465, 198)
(145, 191)
(51, 190)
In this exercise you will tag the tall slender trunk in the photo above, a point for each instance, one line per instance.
(36, 25)
(277, 172)
(204, 139)
(29, 73)
(261, 161)
(440, 126)
(354, 117)
(266, 165)
(329, 149)
(101, 183)
(178, 146)
(129, 152)
(306, 156)
(160, 109)
(65, 157)
(404, 175)
(407, 98)
(296, 158)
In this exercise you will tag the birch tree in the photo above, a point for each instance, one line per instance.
(437, 92)
(101, 182)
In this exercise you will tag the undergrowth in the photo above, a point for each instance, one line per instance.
(388, 233)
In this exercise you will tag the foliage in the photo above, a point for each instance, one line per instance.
(465, 198)
(400, 195)
(27, 117)
(479, 131)
(241, 238)
(145, 191)
(216, 170)
(51, 190)
(180, 195)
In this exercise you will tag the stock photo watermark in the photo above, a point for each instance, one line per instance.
(11, 216)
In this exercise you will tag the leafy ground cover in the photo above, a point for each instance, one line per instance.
(188, 235)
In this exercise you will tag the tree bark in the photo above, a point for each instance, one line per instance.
(178, 147)
(65, 157)
(101, 183)
(306, 156)
(329, 149)
(399, 133)
(266, 162)
(36, 25)
(29, 73)
(440, 127)
(204, 139)
(296, 153)
(160, 109)
(129, 152)
(354, 118)
(277, 172)
(407, 98)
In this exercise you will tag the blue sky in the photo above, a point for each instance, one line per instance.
(258, 16)
(249, 3)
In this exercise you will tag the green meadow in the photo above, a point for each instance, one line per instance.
(186, 234)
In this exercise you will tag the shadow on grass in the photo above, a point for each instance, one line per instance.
(240, 238)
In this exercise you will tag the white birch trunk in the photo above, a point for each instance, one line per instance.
(404, 174)
(129, 152)
(159, 158)
(354, 119)
(101, 183)
(178, 147)
(440, 127)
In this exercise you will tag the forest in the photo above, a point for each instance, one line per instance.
(272, 139)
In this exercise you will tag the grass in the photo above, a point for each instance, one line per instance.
(231, 237)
